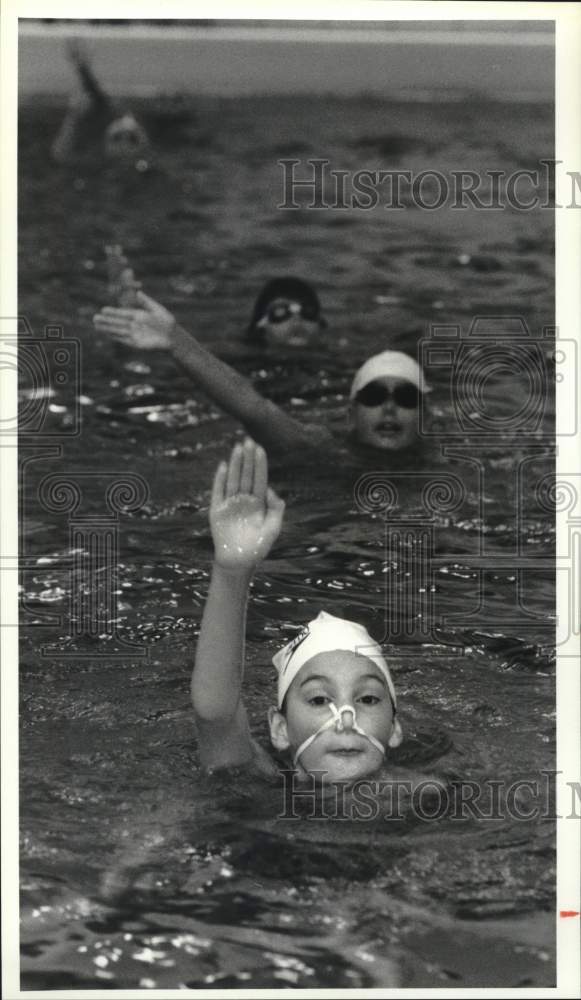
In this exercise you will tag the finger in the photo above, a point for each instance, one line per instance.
(118, 335)
(219, 485)
(274, 512)
(274, 502)
(145, 301)
(247, 468)
(121, 335)
(112, 331)
(119, 338)
(111, 323)
(234, 466)
(116, 312)
(260, 474)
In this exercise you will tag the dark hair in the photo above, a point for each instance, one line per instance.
(294, 289)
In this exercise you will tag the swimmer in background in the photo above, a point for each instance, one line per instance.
(287, 312)
(92, 118)
(336, 710)
(385, 395)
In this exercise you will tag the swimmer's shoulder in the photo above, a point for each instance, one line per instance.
(262, 761)
(291, 439)
(249, 758)
(321, 437)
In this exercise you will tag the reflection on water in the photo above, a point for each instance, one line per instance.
(136, 872)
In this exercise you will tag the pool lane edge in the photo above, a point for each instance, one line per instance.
(252, 61)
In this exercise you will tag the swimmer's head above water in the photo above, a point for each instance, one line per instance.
(385, 398)
(287, 311)
(336, 706)
(125, 138)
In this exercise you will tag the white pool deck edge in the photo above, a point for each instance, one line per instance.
(419, 64)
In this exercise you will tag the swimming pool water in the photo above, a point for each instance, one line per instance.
(212, 887)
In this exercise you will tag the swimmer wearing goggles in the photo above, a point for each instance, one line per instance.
(336, 709)
(287, 311)
(385, 397)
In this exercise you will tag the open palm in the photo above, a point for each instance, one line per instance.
(245, 514)
(148, 327)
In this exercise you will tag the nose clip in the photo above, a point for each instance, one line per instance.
(338, 717)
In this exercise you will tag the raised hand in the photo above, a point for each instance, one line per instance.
(147, 327)
(245, 513)
(122, 287)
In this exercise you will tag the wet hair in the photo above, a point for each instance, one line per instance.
(294, 289)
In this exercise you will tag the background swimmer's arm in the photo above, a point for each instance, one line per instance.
(152, 327)
(246, 518)
(86, 74)
(84, 102)
(265, 421)
(64, 143)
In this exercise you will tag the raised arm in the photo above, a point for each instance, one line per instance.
(91, 86)
(152, 327)
(245, 518)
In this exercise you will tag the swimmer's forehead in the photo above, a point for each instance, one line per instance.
(339, 663)
(283, 300)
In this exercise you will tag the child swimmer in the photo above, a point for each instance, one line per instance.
(384, 399)
(336, 711)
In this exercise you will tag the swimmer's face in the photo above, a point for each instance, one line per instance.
(125, 138)
(344, 678)
(290, 323)
(385, 414)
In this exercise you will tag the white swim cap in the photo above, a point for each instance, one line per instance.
(125, 136)
(323, 635)
(392, 363)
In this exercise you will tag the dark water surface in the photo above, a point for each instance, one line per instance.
(214, 888)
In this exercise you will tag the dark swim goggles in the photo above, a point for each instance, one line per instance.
(281, 311)
(406, 395)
